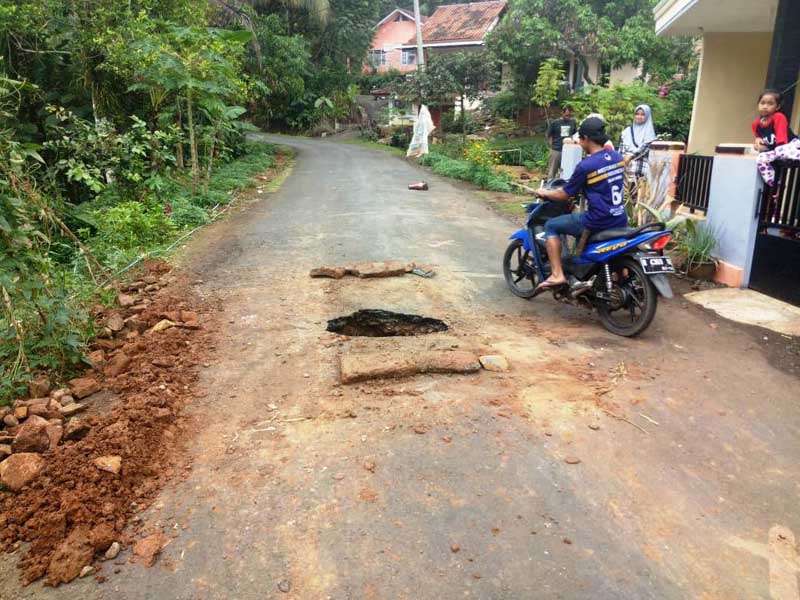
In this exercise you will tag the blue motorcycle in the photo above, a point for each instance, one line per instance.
(619, 272)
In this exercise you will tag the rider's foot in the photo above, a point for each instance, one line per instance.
(550, 284)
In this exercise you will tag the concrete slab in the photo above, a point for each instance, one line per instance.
(750, 307)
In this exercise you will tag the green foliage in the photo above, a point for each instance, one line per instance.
(617, 32)
(458, 122)
(671, 113)
(480, 174)
(505, 104)
(696, 243)
(549, 84)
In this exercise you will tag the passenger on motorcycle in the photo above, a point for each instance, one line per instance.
(601, 178)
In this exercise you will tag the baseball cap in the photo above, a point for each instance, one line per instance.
(593, 128)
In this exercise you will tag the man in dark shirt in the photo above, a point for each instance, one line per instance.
(600, 177)
(559, 129)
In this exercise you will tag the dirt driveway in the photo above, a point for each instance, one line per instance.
(596, 467)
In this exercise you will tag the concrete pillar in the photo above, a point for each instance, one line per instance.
(571, 155)
(733, 199)
(670, 151)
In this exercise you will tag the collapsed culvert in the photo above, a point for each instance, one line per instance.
(384, 323)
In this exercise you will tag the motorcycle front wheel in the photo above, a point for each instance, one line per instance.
(519, 270)
(633, 300)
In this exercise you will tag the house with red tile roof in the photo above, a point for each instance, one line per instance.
(459, 26)
(386, 52)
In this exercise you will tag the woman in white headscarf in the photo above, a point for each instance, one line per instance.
(641, 132)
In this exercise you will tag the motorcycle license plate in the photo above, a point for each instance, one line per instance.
(654, 265)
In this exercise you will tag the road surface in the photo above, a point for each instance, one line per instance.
(447, 486)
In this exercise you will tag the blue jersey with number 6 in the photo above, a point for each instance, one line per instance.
(601, 177)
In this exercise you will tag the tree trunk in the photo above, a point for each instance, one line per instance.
(210, 159)
(463, 123)
(179, 149)
(192, 144)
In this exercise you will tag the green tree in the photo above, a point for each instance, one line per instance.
(548, 85)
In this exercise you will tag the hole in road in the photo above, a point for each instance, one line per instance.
(383, 323)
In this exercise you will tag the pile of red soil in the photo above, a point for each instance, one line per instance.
(74, 510)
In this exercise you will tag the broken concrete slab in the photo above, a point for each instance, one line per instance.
(384, 268)
(751, 308)
(385, 365)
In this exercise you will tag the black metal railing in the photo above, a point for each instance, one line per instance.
(693, 183)
(780, 205)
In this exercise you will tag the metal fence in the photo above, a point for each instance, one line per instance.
(780, 205)
(693, 183)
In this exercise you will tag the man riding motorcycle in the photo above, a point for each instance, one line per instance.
(600, 177)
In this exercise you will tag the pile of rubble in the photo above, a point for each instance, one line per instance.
(75, 467)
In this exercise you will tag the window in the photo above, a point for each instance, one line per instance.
(377, 58)
(409, 57)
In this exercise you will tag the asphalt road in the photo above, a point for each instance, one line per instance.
(444, 487)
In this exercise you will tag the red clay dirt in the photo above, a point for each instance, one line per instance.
(75, 510)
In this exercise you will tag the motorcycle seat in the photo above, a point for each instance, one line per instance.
(624, 232)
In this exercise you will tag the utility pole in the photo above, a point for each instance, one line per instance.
(418, 23)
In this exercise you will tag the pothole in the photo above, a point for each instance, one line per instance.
(372, 322)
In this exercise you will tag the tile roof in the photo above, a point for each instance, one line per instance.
(461, 22)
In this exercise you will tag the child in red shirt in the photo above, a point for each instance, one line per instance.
(774, 139)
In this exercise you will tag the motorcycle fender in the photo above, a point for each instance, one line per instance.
(523, 235)
(662, 285)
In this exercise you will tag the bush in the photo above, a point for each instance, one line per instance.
(672, 112)
(186, 215)
(481, 175)
(401, 137)
(505, 105)
(453, 122)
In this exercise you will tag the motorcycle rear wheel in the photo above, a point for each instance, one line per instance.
(519, 270)
(638, 299)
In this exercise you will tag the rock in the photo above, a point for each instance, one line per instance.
(21, 412)
(54, 433)
(71, 556)
(5, 450)
(72, 409)
(285, 586)
(594, 426)
(10, 421)
(150, 279)
(6, 438)
(332, 272)
(32, 402)
(161, 326)
(454, 548)
(115, 322)
(39, 387)
(163, 362)
(32, 436)
(113, 551)
(97, 358)
(163, 415)
(117, 365)
(109, 464)
(153, 287)
(572, 460)
(362, 367)
(126, 300)
(420, 429)
(18, 470)
(171, 315)
(102, 536)
(494, 362)
(59, 393)
(76, 430)
(6, 410)
(86, 571)
(84, 386)
(387, 268)
(54, 406)
(40, 410)
(150, 547)
(189, 316)
(369, 466)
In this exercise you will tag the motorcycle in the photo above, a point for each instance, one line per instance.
(618, 272)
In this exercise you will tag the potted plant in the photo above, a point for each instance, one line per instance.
(695, 246)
